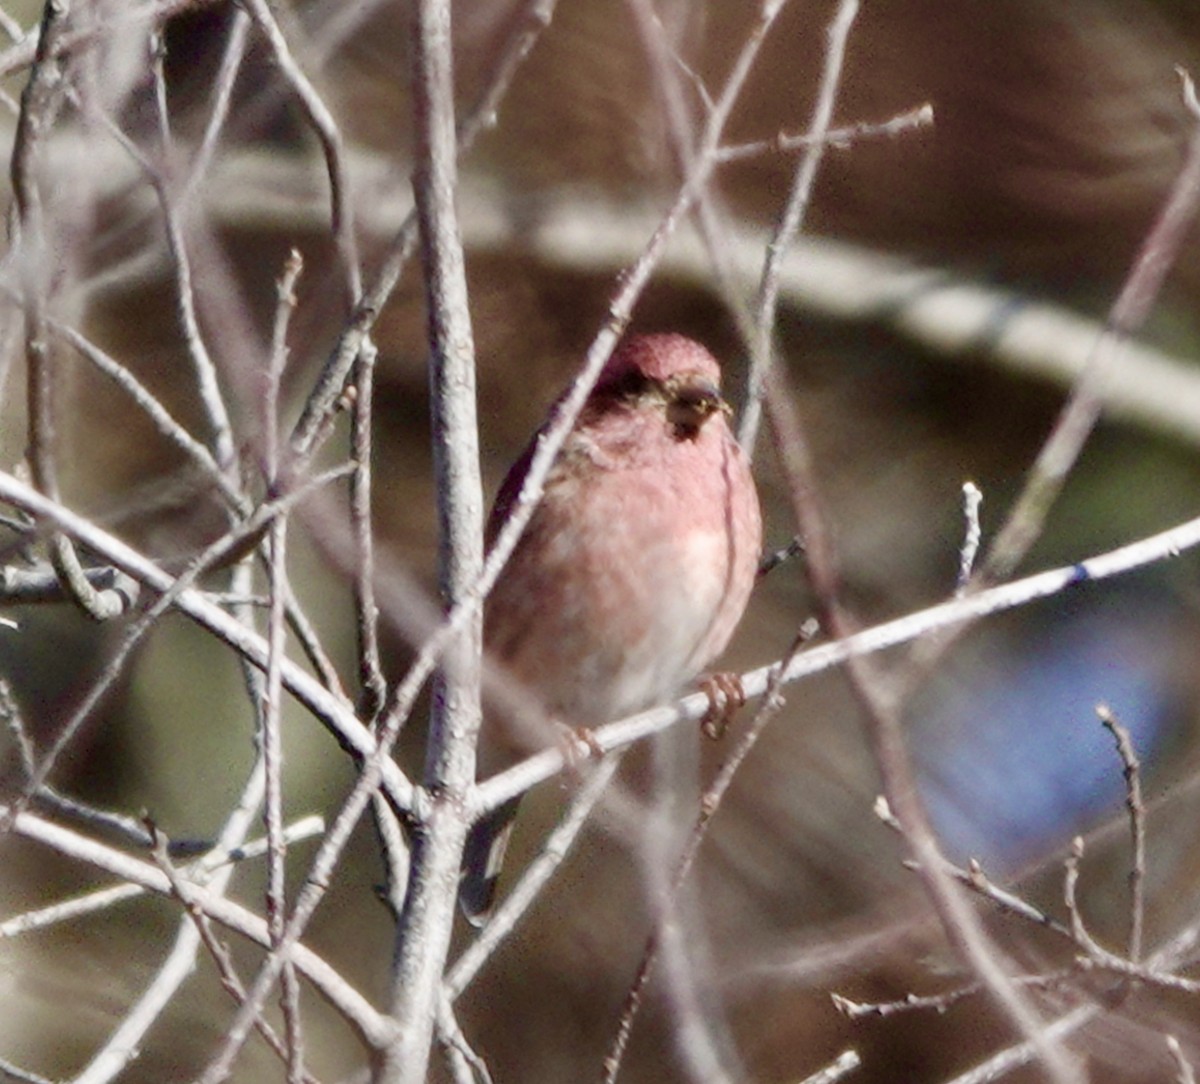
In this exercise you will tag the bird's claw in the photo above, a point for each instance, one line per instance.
(725, 695)
(578, 744)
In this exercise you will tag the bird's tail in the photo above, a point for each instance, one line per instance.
(483, 859)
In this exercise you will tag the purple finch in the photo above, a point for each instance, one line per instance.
(634, 569)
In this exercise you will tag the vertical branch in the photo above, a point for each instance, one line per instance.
(423, 937)
(792, 219)
(481, 117)
(40, 102)
(231, 63)
(372, 686)
(207, 381)
(1136, 808)
(330, 137)
(272, 708)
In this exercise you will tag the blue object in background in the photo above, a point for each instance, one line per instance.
(1012, 758)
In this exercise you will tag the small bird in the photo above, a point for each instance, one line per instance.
(633, 571)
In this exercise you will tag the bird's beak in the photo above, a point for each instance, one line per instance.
(691, 401)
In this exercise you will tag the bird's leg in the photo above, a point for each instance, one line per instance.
(725, 695)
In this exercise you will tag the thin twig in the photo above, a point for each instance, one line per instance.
(272, 707)
(779, 557)
(1129, 312)
(974, 878)
(1184, 1073)
(846, 136)
(376, 766)
(941, 1003)
(104, 898)
(1137, 826)
(710, 802)
(220, 955)
(371, 682)
(326, 706)
(40, 584)
(320, 402)
(1079, 930)
(516, 904)
(843, 1065)
(161, 989)
(330, 137)
(222, 96)
(1158, 963)
(24, 1076)
(23, 53)
(151, 408)
(41, 101)
(1026, 1051)
(208, 384)
(10, 27)
(972, 535)
(466, 1065)
(533, 20)
(792, 220)
(370, 1024)
(273, 807)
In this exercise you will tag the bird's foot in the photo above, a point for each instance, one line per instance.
(578, 744)
(725, 695)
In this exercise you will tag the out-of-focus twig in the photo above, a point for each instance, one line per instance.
(330, 137)
(324, 705)
(370, 1024)
(103, 898)
(376, 293)
(1081, 412)
(41, 102)
(1132, 770)
(791, 221)
(221, 957)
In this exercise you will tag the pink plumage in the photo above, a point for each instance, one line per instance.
(635, 568)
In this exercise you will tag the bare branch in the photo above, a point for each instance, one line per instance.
(341, 361)
(326, 706)
(516, 904)
(972, 535)
(1137, 827)
(342, 212)
(372, 684)
(792, 220)
(374, 1029)
(1165, 545)
(104, 898)
(843, 1065)
(900, 124)
(41, 101)
(1184, 1073)
(1079, 416)
(220, 955)
(423, 936)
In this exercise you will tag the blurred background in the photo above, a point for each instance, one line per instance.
(1059, 129)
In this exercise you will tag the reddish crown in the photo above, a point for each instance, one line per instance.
(659, 357)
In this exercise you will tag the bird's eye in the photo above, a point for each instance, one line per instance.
(632, 384)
